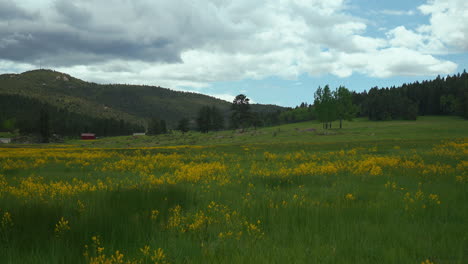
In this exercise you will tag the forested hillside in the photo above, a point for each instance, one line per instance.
(23, 114)
(441, 96)
(75, 104)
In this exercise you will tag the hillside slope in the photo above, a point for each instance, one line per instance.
(131, 103)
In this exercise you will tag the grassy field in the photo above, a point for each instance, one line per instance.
(372, 192)
(427, 128)
(6, 135)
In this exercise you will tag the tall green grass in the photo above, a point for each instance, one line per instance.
(304, 218)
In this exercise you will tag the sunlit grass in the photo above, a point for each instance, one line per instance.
(298, 201)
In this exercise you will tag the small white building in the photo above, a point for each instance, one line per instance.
(139, 134)
(5, 140)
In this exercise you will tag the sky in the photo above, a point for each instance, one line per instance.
(274, 51)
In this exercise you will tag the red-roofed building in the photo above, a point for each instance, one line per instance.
(87, 136)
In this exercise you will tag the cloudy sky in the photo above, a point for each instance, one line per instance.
(275, 51)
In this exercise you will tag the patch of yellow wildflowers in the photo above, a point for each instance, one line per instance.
(350, 197)
(61, 227)
(154, 215)
(7, 221)
(96, 255)
(427, 261)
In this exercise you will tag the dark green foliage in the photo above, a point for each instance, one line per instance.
(442, 96)
(389, 104)
(325, 106)
(255, 120)
(132, 103)
(209, 119)
(183, 125)
(241, 115)
(345, 109)
(75, 106)
(156, 126)
(270, 118)
(44, 126)
(22, 113)
(449, 104)
(163, 127)
(8, 124)
(301, 113)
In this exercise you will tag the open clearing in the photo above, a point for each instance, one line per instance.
(372, 192)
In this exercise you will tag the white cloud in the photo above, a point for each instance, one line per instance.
(225, 97)
(402, 37)
(447, 22)
(446, 33)
(178, 44)
(424, 43)
(397, 61)
(397, 12)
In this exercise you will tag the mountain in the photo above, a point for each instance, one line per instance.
(132, 104)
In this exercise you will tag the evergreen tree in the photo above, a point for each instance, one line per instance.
(240, 112)
(44, 126)
(154, 126)
(163, 127)
(448, 104)
(9, 124)
(204, 119)
(217, 118)
(183, 125)
(210, 118)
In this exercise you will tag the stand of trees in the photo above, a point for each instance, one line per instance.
(442, 96)
(332, 105)
(389, 104)
(184, 125)
(301, 113)
(344, 107)
(157, 126)
(209, 119)
(44, 126)
(31, 116)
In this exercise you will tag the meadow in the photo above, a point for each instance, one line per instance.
(372, 192)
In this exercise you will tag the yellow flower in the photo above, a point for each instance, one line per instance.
(350, 197)
(61, 227)
(7, 221)
(154, 214)
(145, 250)
(159, 256)
(81, 206)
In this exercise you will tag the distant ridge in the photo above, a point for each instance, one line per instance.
(131, 103)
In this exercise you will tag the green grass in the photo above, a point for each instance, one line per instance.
(304, 215)
(430, 127)
(6, 135)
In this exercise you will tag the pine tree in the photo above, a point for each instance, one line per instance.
(183, 125)
(44, 126)
(240, 112)
(210, 118)
(154, 126)
(163, 127)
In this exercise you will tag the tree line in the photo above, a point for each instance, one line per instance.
(30, 116)
(442, 96)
